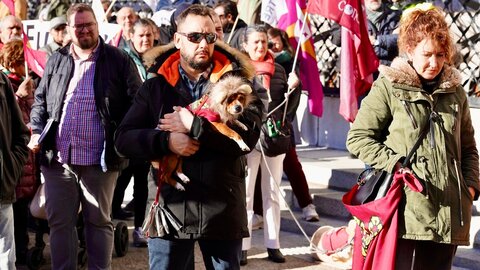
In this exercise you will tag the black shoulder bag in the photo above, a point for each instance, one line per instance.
(374, 184)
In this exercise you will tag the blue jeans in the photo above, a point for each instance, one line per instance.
(179, 254)
(7, 242)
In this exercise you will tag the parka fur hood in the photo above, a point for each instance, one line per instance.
(156, 60)
(401, 72)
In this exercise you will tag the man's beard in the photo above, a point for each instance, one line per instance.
(87, 43)
(200, 66)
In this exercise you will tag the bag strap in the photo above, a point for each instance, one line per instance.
(423, 133)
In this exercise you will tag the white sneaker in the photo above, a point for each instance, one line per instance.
(257, 222)
(309, 213)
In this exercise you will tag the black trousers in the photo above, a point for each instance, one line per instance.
(139, 170)
(424, 255)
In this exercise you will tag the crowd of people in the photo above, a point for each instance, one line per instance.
(103, 111)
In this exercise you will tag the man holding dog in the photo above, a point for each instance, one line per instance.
(211, 210)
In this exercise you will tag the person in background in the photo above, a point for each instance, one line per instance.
(20, 9)
(14, 153)
(110, 19)
(383, 25)
(49, 9)
(77, 114)
(227, 12)
(11, 27)
(218, 24)
(12, 64)
(273, 79)
(419, 89)
(292, 167)
(126, 18)
(58, 30)
(211, 210)
(167, 31)
(141, 41)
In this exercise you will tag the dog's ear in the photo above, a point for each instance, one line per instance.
(245, 88)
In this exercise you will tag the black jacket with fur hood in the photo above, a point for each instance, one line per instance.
(213, 203)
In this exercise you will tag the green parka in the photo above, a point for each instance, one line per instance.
(385, 129)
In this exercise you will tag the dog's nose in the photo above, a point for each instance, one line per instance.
(238, 108)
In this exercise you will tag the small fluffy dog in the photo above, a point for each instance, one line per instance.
(222, 104)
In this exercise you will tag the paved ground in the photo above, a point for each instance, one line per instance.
(294, 246)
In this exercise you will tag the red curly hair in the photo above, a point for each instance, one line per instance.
(419, 24)
(11, 54)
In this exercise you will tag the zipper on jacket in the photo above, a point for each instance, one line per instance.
(459, 191)
(455, 112)
(434, 117)
(423, 160)
(409, 112)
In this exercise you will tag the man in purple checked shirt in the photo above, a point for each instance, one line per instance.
(86, 89)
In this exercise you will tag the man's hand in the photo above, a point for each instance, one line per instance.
(33, 144)
(181, 144)
(179, 121)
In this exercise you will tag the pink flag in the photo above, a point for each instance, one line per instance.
(11, 6)
(358, 59)
(36, 60)
(288, 15)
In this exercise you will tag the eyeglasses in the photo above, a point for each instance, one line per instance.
(197, 37)
(80, 27)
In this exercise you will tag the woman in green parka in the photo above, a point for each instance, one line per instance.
(417, 88)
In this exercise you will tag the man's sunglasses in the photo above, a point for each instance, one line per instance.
(197, 37)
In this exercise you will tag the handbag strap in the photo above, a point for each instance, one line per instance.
(423, 133)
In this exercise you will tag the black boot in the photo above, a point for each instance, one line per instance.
(275, 255)
(243, 258)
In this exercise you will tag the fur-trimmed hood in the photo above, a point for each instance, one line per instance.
(401, 72)
(161, 59)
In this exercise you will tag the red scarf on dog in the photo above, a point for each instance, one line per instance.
(265, 69)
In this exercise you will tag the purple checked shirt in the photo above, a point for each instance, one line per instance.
(80, 137)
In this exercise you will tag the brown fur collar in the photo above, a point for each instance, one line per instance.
(157, 55)
(401, 72)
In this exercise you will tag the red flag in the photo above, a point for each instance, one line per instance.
(11, 6)
(289, 16)
(36, 60)
(358, 58)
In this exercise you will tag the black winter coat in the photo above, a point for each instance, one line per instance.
(213, 204)
(14, 136)
(115, 84)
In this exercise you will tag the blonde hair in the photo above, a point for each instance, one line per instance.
(425, 23)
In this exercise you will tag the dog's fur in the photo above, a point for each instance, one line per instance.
(226, 99)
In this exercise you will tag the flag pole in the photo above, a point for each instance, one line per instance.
(290, 91)
(233, 29)
(299, 43)
(26, 69)
(108, 10)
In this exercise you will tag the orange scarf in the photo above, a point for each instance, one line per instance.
(265, 69)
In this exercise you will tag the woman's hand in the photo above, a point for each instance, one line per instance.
(398, 168)
(25, 89)
(472, 192)
(293, 81)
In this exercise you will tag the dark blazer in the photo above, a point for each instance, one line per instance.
(115, 84)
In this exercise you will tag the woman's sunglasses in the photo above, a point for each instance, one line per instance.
(197, 37)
